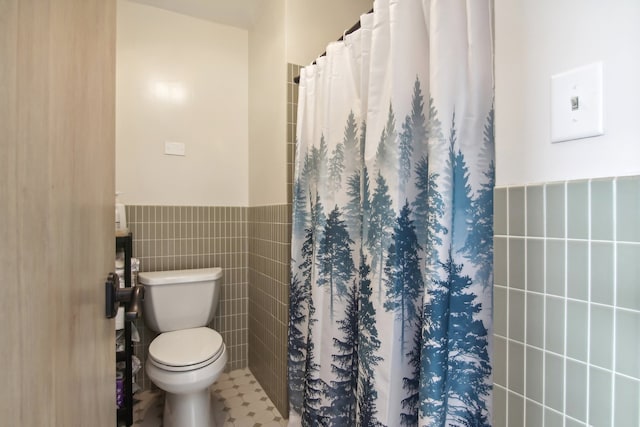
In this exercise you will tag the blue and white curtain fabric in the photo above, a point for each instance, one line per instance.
(391, 273)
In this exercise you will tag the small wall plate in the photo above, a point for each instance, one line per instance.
(576, 103)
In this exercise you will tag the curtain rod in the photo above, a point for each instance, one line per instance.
(353, 28)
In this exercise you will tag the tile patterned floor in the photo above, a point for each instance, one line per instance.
(238, 400)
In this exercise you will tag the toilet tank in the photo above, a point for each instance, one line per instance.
(180, 299)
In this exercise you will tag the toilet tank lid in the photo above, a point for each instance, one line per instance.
(179, 276)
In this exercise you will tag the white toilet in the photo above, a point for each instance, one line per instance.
(187, 357)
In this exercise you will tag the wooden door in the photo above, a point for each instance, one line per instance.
(57, 127)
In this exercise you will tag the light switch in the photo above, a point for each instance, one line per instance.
(174, 148)
(576, 103)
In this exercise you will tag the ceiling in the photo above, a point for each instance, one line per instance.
(236, 13)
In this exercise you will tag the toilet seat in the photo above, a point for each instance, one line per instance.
(186, 349)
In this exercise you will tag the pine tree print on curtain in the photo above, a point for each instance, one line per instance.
(392, 226)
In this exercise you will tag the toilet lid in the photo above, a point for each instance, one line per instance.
(186, 348)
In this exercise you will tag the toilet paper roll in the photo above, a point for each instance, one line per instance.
(120, 274)
(120, 319)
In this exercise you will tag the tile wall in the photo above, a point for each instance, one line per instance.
(185, 237)
(293, 71)
(567, 304)
(269, 255)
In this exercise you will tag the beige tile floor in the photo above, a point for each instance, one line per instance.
(237, 399)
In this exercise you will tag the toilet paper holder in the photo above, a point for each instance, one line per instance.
(114, 295)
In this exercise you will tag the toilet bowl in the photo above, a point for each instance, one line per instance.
(187, 357)
(184, 364)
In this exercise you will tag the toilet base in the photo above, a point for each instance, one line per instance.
(187, 398)
(188, 410)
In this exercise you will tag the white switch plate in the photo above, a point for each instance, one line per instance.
(576, 103)
(174, 148)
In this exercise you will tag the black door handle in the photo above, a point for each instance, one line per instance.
(131, 297)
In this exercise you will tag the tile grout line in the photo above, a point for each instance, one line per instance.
(544, 307)
(615, 299)
(526, 287)
(564, 323)
(589, 261)
(508, 292)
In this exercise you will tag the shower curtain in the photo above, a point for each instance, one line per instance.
(391, 273)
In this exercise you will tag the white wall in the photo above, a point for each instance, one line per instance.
(233, 118)
(210, 63)
(536, 39)
(267, 107)
(312, 24)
